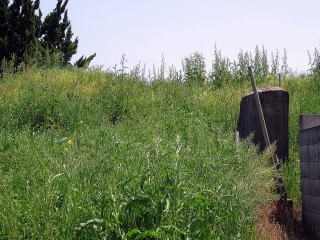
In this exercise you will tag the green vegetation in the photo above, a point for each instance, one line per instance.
(304, 99)
(26, 38)
(130, 154)
(87, 154)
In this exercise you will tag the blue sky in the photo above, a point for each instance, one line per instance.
(143, 30)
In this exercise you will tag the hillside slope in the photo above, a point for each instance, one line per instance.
(87, 155)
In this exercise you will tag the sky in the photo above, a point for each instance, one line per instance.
(144, 30)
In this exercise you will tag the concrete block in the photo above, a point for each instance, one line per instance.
(303, 138)
(311, 203)
(310, 170)
(310, 187)
(304, 153)
(313, 151)
(309, 121)
(275, 106)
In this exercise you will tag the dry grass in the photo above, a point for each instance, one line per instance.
(267, 228)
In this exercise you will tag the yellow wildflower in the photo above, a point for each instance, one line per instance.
(70, 142)
(66, 150)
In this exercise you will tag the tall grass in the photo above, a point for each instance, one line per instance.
(222, 70)
(304, 99)
(89, 155)
(127, 154)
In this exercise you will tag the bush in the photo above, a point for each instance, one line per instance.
(194, 69)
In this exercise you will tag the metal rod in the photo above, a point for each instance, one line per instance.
(260, 112)
(280, 185)
(280, 80)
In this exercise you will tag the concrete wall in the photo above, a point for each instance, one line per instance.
(309, 144)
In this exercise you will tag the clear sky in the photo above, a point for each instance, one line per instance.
(143, 30)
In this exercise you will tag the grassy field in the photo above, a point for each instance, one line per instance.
(87, 155)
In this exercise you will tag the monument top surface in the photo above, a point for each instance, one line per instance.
(267, 89)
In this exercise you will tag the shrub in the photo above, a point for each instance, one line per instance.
(194, 69)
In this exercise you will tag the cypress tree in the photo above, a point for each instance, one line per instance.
(83, 62)
(21, 29)
(25, 36)
(15, 36)
(29, 29)
(4, 29)
(57, 32)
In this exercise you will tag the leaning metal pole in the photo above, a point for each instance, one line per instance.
(275, 160)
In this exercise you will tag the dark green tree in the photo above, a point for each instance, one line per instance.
(84, 62)
(28, 39)
(23, 29)
(4, 29)
(56, 32)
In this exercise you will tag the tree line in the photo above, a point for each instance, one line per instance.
(27, 37)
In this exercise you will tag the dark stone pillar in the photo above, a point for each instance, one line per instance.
(275, 106)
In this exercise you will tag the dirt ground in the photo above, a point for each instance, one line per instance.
(269, 228)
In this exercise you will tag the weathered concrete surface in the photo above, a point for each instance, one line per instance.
(275, 106)
(309, 146)
(309, 121)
